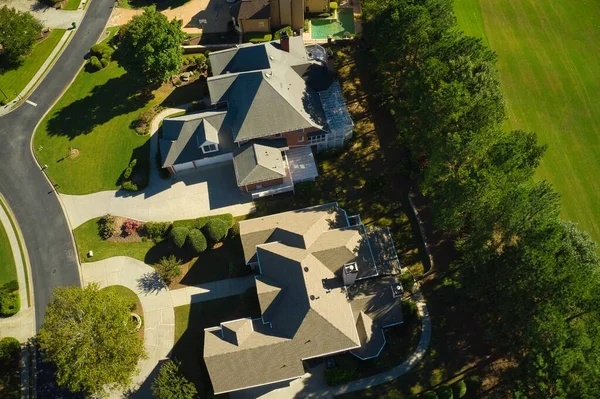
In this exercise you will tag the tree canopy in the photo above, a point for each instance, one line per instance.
(150, 47)
(90, 336)
(18, 33)
(533, 278)
(170, 384)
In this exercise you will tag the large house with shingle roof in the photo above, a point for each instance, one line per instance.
(326, 285)
(272, 105)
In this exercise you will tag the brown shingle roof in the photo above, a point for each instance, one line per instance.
(251, 9)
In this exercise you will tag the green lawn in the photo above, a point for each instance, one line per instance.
(14, 80)
(94, 116)
(190, 322)
(8, 271)
(548, 63)
(162, 5)
(72, 5)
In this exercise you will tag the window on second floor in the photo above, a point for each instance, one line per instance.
(206, 148)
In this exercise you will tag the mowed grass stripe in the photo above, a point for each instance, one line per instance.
(548, 65)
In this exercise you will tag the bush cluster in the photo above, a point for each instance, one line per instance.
(168, 268)
(142, 123)
(129, 170)
(179, 235)
(127, 180)
(106, 226)
(100, 56)
(408, 281)
(10, 302)
(216, 230)
(156, 230)
(196, 241)
(130, 227)
(409, 310)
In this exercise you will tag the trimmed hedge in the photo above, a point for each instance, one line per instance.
(95, 64)
(445, 392)
(460, 389)
(179, 236)
(10, 302)
(9, 349)
(216, 230)
(196, 241)
(156, 230)
(200, 222)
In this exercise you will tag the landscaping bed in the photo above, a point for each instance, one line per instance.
(151, 242)
(190, 322)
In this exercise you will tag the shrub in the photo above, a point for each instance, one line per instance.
(155, 230)
(142, 123)
(95, 64)
(186, 61)
(196, 241)
(333, 6)
(215, 230)
(460, 389)
(287, 29)
(339, 375)
(179, 235)
(444, 392)
(200, 60)
(129, 186)
(170, 383)
(409, 310)
(3, 101)
(101, 50)
(473, 383)
(107, 226)
(257, 37)
(168, 268)
(104, 61)
(430, 395)
(10, 303)
(10, 350)
(129, 169)
(130, 227)
(11, 286)
(408, 281)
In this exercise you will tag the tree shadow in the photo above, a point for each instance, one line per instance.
(150, 283)
(116, 97)
(160, 5)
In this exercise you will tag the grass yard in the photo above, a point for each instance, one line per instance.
(548, 63)
(94, 116)
(14, 80)
(190, 322)
(160, 6)
(72, 5)
(8, 271)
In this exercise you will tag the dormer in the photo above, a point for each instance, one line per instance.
(207, 137)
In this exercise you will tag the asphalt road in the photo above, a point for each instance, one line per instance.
(36, 206)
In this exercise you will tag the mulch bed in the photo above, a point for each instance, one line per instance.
(120, 236)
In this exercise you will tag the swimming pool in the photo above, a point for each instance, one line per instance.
(321, 28)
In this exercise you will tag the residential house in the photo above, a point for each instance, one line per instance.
(326, 285)
(257, 15)
(251, 16)
(280, 93)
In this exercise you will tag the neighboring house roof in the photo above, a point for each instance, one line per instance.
(265, 88)
(183, 136)
(305, 307)
(251, 9)
(254, 163)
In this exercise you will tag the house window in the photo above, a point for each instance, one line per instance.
(300, 131)
(319, 138)
(301, 139)
(261, 24)
(206, 148)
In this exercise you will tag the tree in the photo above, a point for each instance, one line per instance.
(18, 32)
(170, 384)
(90, 336)
(150, 47)
(168, 268)
(215, 230)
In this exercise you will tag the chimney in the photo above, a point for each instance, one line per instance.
(349, 273)
(284, 42)
(397, 290)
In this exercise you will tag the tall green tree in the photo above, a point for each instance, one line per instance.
(18, 32)
(90, 336)
(150, 47)
(170, 384)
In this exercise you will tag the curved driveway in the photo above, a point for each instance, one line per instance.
(38, 212)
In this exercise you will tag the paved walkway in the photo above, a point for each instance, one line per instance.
(159, 317)
(207, 191)
(313, 385)
(48, 16)
(213, 290)
(37, 77)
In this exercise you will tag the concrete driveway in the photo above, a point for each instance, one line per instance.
(48, 16)
(200, 192)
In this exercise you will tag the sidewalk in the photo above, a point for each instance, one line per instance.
(159, 317)
(37, 77)
(199, 192)
(213, 290)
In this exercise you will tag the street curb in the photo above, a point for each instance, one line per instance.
(22, 250)
(31, 149)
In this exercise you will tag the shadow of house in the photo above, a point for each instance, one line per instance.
(213, 19)
(104, 103)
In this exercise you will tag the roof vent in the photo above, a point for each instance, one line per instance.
(271, 57)
(269, 74)
(397, 290)
(312, 297)
(306, 269)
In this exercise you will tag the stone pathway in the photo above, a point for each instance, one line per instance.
(213, 290)
(207, 191)
(39, 74)
(312, 384)
(159, 317)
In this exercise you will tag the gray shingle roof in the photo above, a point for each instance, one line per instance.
(256, 163)
(251, 9)
(183, 136)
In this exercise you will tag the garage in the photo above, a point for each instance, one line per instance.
(183, 166)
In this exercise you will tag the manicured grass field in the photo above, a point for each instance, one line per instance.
(94, 117)
(14, 80)
(548, 62)
(72, 5)
(8, 271)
